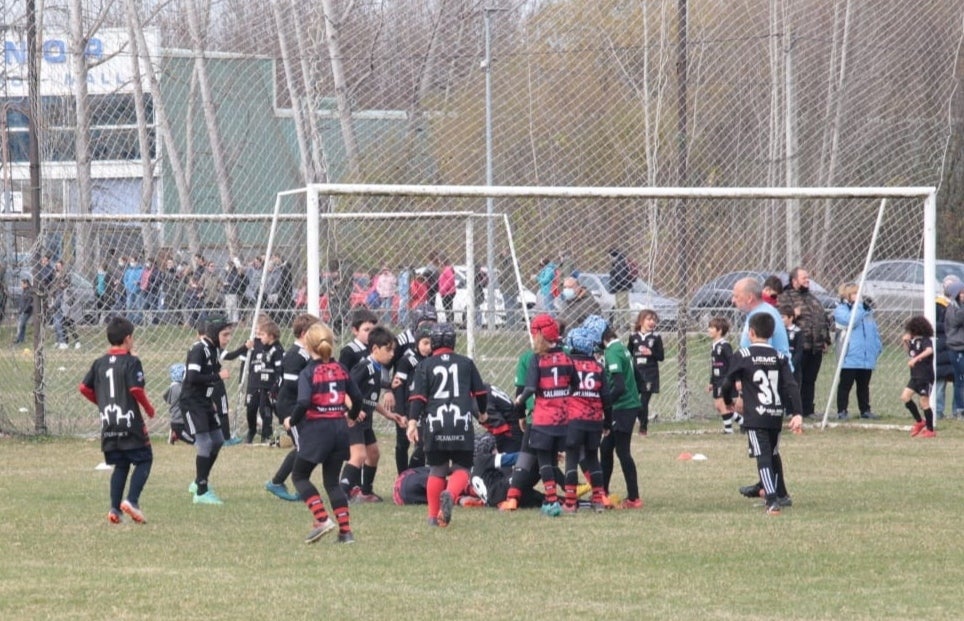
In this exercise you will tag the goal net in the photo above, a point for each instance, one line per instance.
(686, 246)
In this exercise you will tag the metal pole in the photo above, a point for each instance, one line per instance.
(489, 200)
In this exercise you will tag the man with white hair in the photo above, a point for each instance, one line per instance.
(748, 297)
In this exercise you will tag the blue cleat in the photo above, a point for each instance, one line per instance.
(281, 491)
(208, 498)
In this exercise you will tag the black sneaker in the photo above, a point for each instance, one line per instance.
(346, 537)
(751, 491)
(844, 415)
(445, 512)
(869, 415)
(785, 501)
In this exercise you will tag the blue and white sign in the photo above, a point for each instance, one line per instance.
(109, 60)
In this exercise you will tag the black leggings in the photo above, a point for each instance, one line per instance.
(330, 472)
(618, 442)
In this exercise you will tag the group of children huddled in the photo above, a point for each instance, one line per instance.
(578, 393)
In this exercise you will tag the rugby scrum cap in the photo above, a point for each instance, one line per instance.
(214, 325)
(581, 341)
(177, 371)
(596, 326)
(546, 326)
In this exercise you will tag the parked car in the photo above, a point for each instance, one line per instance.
(898, 285)
(641, 296)
(83, 288)
(715, 298)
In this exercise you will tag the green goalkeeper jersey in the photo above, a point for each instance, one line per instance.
(620, 361)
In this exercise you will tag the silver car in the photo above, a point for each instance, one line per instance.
(898, 285)
(641, 296)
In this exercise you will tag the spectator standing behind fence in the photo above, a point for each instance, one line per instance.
(232, 286)
(944, 368)
(860, 357)
(576, 303)
(447, 288)
(404, 289)
(100, 290)
(386, 284)
(545, 300)
(25, 310)
(132, 289)
(954, 326)
(812, 320)
(620, 283)
(69, 313)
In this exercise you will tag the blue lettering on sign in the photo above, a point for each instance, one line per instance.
(53, 50)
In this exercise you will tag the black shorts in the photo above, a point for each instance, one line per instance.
(584, 436)
(319, 440)
(443, 458)
(920, 386)
(200, 417)
(718, 392)
(136, 456)
(541, 440)
(623, 420)
(649, 384)
(361, 433)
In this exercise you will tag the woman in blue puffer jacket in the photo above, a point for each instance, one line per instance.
(860, 357)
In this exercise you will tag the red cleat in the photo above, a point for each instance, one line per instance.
(917, 428)
(928, 433)
(632, 504)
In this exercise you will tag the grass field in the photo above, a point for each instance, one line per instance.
(874, 533)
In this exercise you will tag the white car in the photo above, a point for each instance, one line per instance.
(898, 285)
(642, 296)
(462, 297)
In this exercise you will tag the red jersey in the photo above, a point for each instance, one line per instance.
(589, 390)
(550, 375)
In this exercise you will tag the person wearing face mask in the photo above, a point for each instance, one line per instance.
(815, 331)
(575, 303)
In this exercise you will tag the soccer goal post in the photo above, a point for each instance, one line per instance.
(681, 239)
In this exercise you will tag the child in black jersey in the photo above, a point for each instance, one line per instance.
(292, 363)
(363, 321)
(647, 349)
(358, 475)
(795, 338)
(720, 354)
(115, 383)
(919, 346)
(202, 382)
(327, 396)
(264, 361)
(766, 386)
(402, 383)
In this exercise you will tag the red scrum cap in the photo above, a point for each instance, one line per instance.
(546, 326)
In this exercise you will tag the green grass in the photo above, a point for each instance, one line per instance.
(874, 533)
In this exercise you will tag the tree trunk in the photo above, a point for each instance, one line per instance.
(163, 125)
(214, 132)
(835, 109)
(143, 143)
(301, 133)
(78, 65)
(332, 36)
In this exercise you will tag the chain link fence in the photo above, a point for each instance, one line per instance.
(209, 109)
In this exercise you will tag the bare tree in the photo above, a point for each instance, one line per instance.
(333, 24)
(222, 175)
(173, 156)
